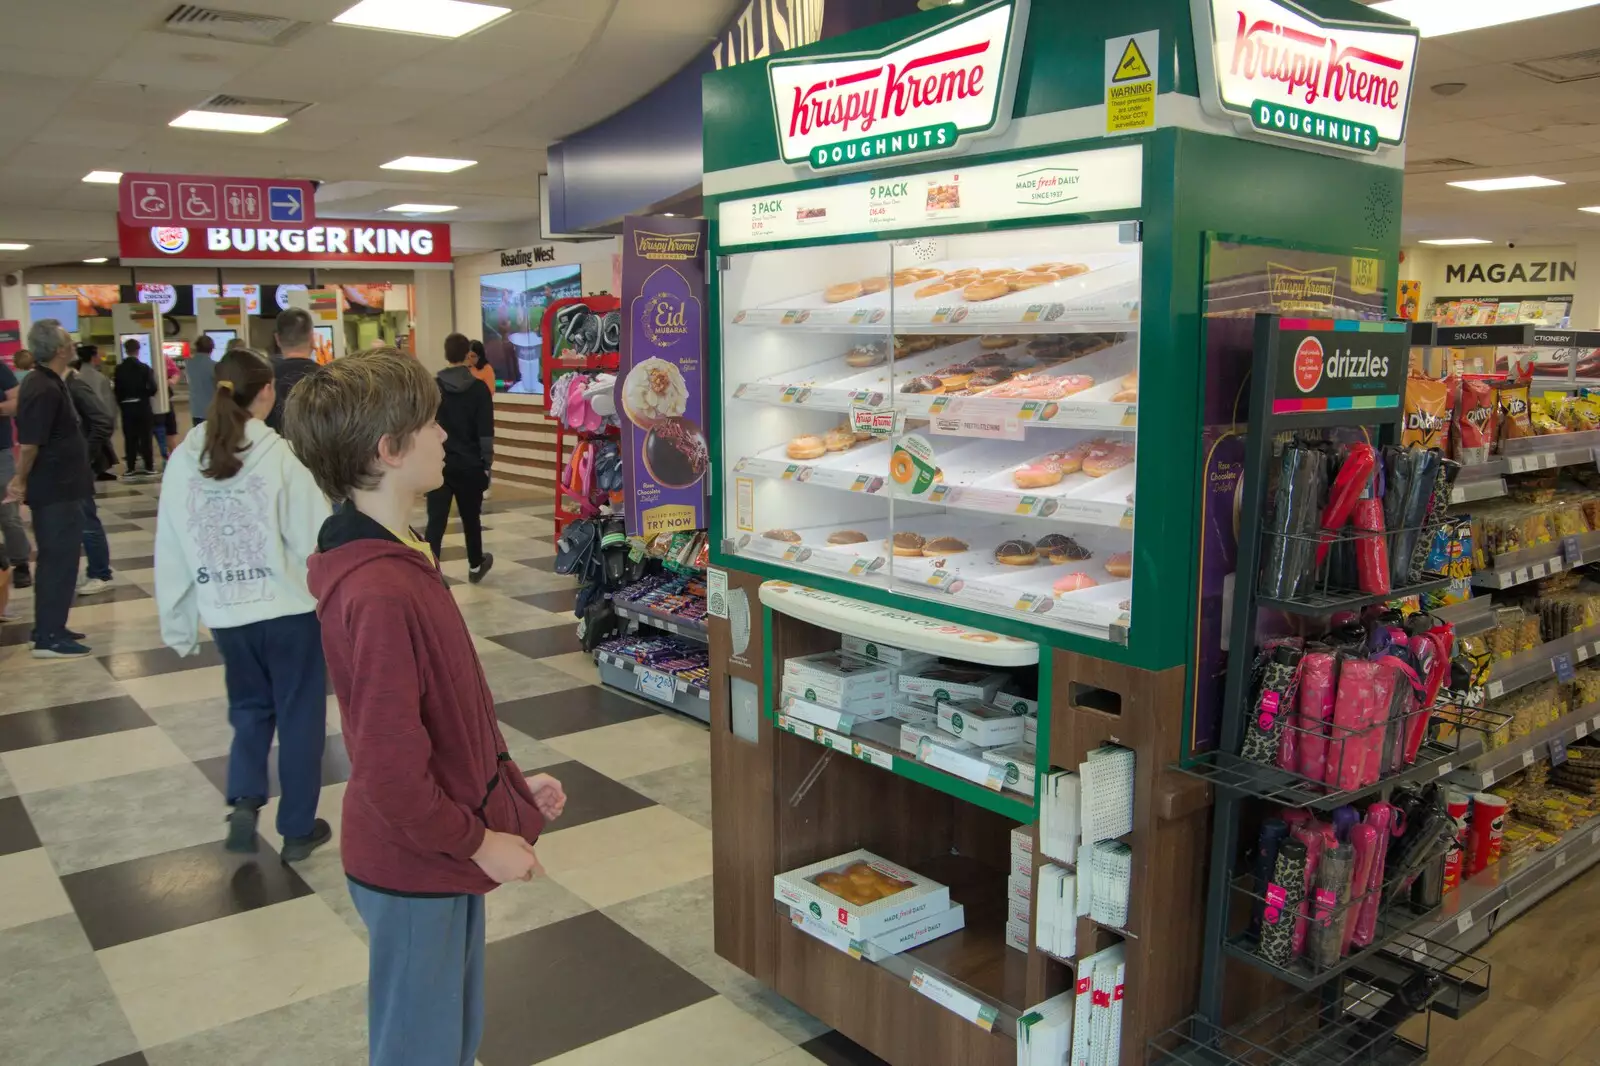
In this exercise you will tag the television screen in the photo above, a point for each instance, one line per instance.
(178, 350)
(322, 345)
(92, 300)
(513, 308)
(251, 294)
(144, 346)
(63, 311)
(220, 338)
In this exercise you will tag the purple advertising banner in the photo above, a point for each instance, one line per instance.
(661, 382)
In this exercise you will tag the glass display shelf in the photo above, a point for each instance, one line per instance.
(953, 419)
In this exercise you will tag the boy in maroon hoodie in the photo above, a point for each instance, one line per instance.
(436, 814)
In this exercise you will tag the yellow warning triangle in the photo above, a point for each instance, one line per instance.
(1132, 65)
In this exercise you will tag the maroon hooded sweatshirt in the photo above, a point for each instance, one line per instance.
(429, 770)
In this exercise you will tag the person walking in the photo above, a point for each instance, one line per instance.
(134, 384)
(295, 336)
(436, 813)
(466, 414)
(13, 538)
(238, 517)
(202, 373)
(91, 369)
(53, 478)
(97, 421)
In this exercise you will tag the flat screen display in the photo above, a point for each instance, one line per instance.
(513, 309)
(63, 311)
(322, 345)
(220, 338)
(250, 293)
(144, 346)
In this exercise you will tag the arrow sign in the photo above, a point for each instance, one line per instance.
(285, 204)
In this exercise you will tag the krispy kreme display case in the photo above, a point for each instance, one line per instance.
(962, 403)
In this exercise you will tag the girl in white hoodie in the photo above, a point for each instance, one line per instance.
(239, 516)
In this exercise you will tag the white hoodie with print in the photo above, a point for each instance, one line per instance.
(233, 552)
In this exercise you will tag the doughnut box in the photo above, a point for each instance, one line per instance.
(914, 898)
(901, 659)
(983, 724)
(836, 679)
(951, 683)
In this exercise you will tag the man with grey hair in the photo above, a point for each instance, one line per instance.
(54, 479)
(294, 336)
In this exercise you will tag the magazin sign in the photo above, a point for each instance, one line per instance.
(921, 96)
(1275, 68)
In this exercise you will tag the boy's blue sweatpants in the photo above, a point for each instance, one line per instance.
(425, 980)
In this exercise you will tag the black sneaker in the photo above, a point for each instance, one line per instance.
(20, 577)
(62, 649)
(296, 848)
(475, 574)
(242, 826)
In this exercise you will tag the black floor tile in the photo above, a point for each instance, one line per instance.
(547, 564)
(118, 492)
(537, 643)
(131, 900)
(451, 553)
(591, 795)
(335, 767)
(136, 515)
(835, 1049)
(15, 633)
(16, 829)
(136, 1059)
(130, 664)
(114, 594)
(590, 979)
(134, 562)
(122, 527)
(72, 721)
(571, 711)
(560, 601)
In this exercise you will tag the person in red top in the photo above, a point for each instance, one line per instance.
(436, 813)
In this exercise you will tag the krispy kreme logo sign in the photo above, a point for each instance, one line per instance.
(921, 96)
(1277, 69)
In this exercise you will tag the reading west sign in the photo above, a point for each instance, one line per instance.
(1275, 68)
(921, 96)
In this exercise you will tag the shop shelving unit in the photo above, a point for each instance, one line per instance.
(555, 363)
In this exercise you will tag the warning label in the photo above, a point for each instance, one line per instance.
(1131, 65)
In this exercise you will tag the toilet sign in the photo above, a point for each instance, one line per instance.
(1131, 81)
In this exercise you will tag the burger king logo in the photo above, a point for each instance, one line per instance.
(169, 239)
(1308, 364)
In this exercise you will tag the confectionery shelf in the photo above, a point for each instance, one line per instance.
(625, 674)
(1500, 763)
(876, 743)
(694, 629)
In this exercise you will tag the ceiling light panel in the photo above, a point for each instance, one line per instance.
(222, 122)
(96, 259)
(1451, 242)
(14, 246)
(103, 177)
(422, 209)
(1527, 181)
(430, 18)
(429, 163)
(1592, 210)
(1435, 18)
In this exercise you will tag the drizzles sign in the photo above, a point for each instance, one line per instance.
(1276, 69)
(921, 96)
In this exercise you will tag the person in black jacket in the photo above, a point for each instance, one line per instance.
(466, 413)
(135, 384)
(98, 423)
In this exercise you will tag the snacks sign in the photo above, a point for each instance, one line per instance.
(921, 96)
(1276, 69)
(1326, 365)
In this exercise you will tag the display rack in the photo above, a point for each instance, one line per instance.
(556, 358)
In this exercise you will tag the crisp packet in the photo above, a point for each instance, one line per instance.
(1427, 414)
(1474, 422)
(1515, 417)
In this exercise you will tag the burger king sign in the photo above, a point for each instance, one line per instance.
(169, 240)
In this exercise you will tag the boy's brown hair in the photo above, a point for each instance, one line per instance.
(337, 414)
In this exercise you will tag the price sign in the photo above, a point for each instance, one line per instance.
(1527, 758)
(1582, 730)
(954, 1000)
(655, 685)
(1558, 752)
(1562, 664)
(1571, 550)
(1463, 922)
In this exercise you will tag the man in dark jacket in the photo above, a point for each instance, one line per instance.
(98, 423)
(135, 384)
(466, 413)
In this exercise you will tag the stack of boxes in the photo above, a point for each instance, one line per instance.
(919, 910)
(978, 732)
(1019, 893)
(835, 691)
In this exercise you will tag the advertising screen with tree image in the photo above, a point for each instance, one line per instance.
(513, 306)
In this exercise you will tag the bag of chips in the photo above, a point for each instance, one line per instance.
(1515, 419)
(1582, 413)
(1427, 412)
(1545, 413)
(1474, 422)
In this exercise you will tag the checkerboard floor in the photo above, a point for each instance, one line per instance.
(128, 936)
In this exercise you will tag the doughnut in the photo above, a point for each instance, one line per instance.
(1120, 564)
(839, 439)
(901, 468)
(1030, 280)
(864, 355)
(930, 386)
(1037, 387)
(1000, 272)
(1060, 548)
(907, 544)
(1040, 268)
(787, 535)
(877, 284)
(988, 378)
(1016, 553)
(954, 377)
(806, 447)
(1128, 391)
(838, 294)
(990, 289)
(995, 341)
(1076, 581)
(847, 536)
(1070, 270)
(1040, 473)
(1107, 456)
(944, 546)
(937, 288)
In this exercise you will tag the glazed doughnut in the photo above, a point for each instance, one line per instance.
(938, 288)
(1107, 456)
(838, 294)
(907, 544)
(839, 439)
(989, 289)
(1060, 548)
(1072, 459)
(864, 355)
(1120, 564)
(806, 447)
(988, 378)
(944, 546)
(1041, 473)
(789, 536)
(1036, 387)
(930, 386)
(1041, 268)
(990, 358)
(847, 536)
(1129, 389)
(1000, 272)
(877, 284)
(954, 377)
(1016, 553)
(1032, 279)
(1074, 582)
(995, 341)
(1070, 270)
